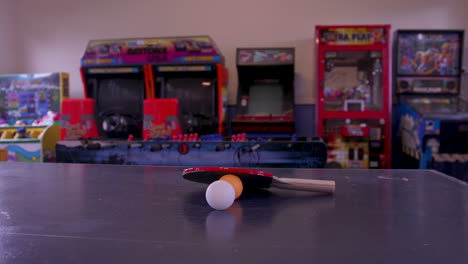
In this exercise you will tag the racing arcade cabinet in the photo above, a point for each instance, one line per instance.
(131, 82)
(265, 98)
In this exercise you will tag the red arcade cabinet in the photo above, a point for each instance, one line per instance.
(353, 95)
(148, 88)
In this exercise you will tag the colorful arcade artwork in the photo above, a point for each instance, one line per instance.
(28, 97)
(429, 54)
(34, 143)
(351, 35)
(24, 152)
(256, 56)
(428, 62)
(151, 51)
(30, 107)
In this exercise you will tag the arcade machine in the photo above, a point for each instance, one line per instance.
(353, 95)
(129, 79)
(265, 98)
(29, 121)
(143, 88)
(431, 118)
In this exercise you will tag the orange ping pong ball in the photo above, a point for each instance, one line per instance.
(235, 182)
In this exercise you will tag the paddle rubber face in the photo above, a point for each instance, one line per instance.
(250, 178)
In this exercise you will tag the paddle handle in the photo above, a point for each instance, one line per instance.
(304, 184)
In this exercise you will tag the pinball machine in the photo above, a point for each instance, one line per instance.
(431, 118)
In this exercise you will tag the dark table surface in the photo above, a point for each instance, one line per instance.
(71, 213)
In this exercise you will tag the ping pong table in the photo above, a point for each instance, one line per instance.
(88, 213)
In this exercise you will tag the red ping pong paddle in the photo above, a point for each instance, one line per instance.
(257, 179)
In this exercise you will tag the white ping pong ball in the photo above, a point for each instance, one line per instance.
(220, 195)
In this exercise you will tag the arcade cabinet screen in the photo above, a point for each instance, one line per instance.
(122, 97)
(429, 54)
(197, 102)
(266, 99)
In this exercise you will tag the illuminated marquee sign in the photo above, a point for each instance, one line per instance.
(353, 35)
